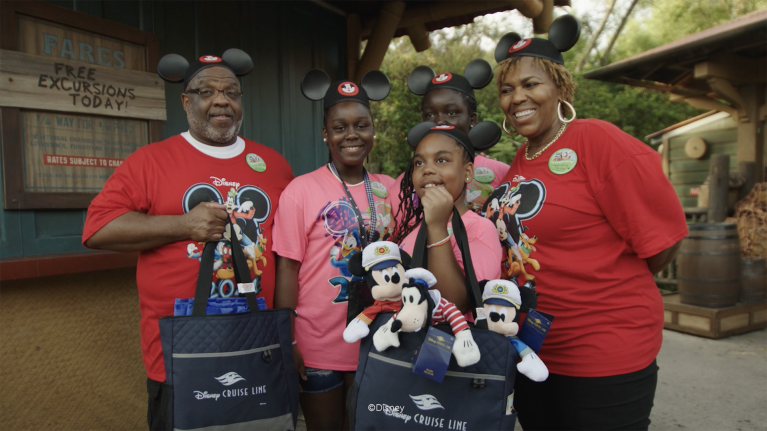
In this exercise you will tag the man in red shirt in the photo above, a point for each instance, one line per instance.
(169, 198)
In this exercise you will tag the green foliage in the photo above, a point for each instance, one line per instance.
(637, 111)
(451, 51)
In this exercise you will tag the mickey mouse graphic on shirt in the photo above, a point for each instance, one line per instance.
(247, 206)
(340, 223)
(508, 207)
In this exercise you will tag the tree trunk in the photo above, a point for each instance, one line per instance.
(606, 56)
(594, 37)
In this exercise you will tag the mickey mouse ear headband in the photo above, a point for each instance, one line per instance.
(481, 137)
(315, 85)
(174, 68)
(563, 34)
(477, 74)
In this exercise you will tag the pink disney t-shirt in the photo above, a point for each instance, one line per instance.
(316, 225)
(483, 245)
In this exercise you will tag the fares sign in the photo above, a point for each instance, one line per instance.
(85, 100)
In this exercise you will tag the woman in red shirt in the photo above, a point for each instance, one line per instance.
(586, 214)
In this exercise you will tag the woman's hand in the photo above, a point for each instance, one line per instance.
(298, 362)
(437, 206)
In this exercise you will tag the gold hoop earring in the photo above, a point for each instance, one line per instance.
(559, 111)
(504, 127)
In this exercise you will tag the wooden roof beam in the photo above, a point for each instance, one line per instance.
(386, 25)
(705, 103)
(540, 10)
(732, 67)
(728, 92)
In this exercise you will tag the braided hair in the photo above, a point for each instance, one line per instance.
(408, 214)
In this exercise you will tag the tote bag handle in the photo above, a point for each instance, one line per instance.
(241, 274)
(420, 259)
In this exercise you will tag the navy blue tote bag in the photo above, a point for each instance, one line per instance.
(386, 395)
(232, 371)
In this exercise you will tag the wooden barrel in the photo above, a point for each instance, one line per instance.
(708, 265)
(753, 279)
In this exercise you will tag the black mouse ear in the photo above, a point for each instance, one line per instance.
(376, 84)
(479, 73)
(419, 79)
(504, 45)
(418, 131)
(315, 84)
(172, 68)
(482, 284)
(406, 259)
(355, 265)
(484, 135)
(240, 61)
(565, 32)
(529, 298)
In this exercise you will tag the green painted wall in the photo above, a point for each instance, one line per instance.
(285, 39)
(721, 137)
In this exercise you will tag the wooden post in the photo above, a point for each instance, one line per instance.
(542, 22)
(747, 171)
(718, 187)
(419, 37)
(382, 34)
(353, 26)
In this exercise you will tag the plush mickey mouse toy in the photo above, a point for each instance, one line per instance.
(422, 307)
(503, 301)
(383, 265)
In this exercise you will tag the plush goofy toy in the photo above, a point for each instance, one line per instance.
(383, 265)
(421, 308)
(503, 301)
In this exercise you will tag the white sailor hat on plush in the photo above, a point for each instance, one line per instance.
(380, 255)
(502, 292)
(421, 275)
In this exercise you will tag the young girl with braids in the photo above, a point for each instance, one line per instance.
(434, 183)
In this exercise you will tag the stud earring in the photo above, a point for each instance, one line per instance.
(324, 139)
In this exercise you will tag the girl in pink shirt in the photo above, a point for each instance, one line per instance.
(442, 166)
(323, 218)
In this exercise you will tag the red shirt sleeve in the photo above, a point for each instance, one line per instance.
(640, 203)
(125, 191)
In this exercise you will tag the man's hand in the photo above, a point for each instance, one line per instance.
(206, 222)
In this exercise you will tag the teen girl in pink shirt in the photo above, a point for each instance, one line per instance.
(324, 217)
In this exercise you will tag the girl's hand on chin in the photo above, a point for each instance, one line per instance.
(437, 206)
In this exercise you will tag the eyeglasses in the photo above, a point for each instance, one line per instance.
(207, 93)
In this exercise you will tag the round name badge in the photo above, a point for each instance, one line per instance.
(563, 161)
(483, 175)
(379, 189)
(255, 162)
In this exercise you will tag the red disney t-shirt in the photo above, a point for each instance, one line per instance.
(579, 221)
(170, 178)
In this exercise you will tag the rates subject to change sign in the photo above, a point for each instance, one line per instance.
(75, 153)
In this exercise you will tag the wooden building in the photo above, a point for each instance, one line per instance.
(69, 341)
(687, 147)
(723, 68)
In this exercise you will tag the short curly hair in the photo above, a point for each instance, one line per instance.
(562, 77)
